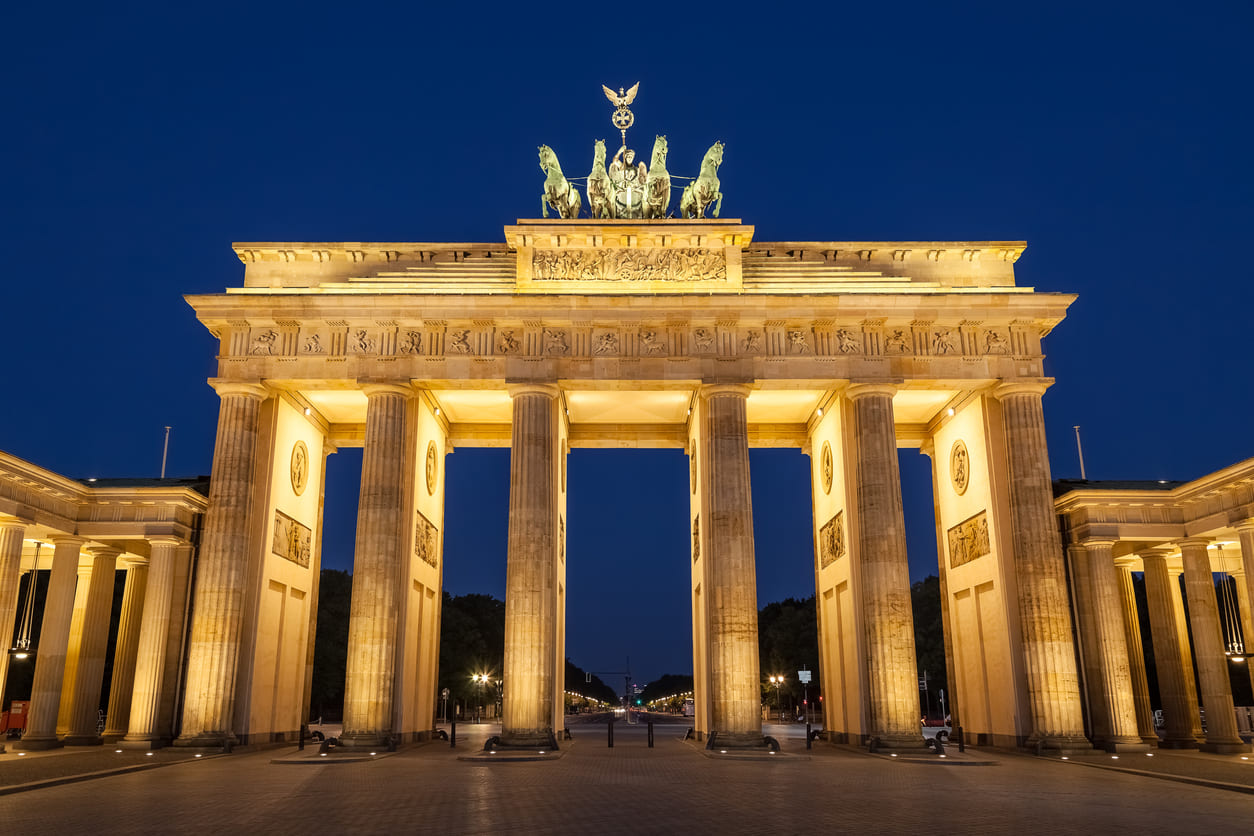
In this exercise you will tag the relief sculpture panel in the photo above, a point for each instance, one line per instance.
(832, 540)
(630, 265)
(968, 540)
(291, 540)
(426, 541)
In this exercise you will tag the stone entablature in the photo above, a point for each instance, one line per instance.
(673, 256)
(1139, 515)
(120, 515)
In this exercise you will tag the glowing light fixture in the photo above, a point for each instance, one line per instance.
(22, 648)
(951, 412)
(1234, 646)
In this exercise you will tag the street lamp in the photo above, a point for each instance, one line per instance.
(777, 681)
(479, 680)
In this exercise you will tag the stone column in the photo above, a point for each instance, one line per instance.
(735, 681)
(1245, 589)
(12, 533)
(122, 684)
(1136, 653)
(378, 562)
(1121, 734)
(54, 634)
(82, 584)
(1208, 649)
(218, 609)
(1178, 709)
(142, 726)
(892, 675)
(89, 675)
(1186, 650)
(531, 573)
(1045, 623)
(1090, 646)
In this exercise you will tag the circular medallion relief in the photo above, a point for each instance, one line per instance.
(959, 467)
(300, 467)
(828, 469)
(433, 467)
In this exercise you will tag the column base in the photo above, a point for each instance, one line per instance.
(1178, 743)
(1118, 747)
(535, 739)
(1062, 744)
(738, 740)
(146, 744)
(38, 744)
(364, 740)
(1224, 747)
(83, 740)
(896, 744)
(207, 740)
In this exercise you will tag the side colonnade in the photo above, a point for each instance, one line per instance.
(1178, 537)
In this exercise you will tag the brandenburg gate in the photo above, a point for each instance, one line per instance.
(633, 332)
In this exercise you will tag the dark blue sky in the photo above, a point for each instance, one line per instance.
(140, 140)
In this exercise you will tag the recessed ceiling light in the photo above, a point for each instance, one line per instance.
(951, 411)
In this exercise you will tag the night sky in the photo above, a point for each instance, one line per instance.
(140, 140)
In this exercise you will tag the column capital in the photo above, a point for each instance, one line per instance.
(1099, 542)
(1244, 525)
(257, 391)
(928, 448)
(725, 390)
(387, 387)
(1127, 561)
(549, 390)
(15, 522)
(98, 551)
(1022, 387)
(58, 540)
(167, 540)
(135, 560)
(1192, 543)
(862, 390)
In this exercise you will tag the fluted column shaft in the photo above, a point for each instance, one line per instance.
(1099, 726)
(122, 684)
(89, 675)
(11, 535)
(1178, 708)
(377, 565)
(1112, 650)
(735, 690)
(218, 609)
(82, 584)
(531, 569)
(1208, 650)
(142, 731)
(1136, 655)
(1245, 531)
(1048, 647)
(891, 668)
(54, 634)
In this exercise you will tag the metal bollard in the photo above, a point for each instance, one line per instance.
(452, 737)
(611, 733)
(808, 735)
(303, 729)
(962, 744)
(650, 734)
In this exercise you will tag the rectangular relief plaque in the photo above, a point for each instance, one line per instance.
(426, 541)
(291, 540)
(832, 540)
(968, 540)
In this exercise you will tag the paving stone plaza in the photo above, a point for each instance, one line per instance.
(673, 787)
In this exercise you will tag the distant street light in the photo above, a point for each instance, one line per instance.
(777, 681)
(479, 679)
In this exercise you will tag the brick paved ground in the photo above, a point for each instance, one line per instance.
(630, 788)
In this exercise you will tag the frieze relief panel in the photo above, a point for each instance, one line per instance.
(968, 540)
(771, 339)
(832, 540)
(629, 265)
(426, 541)
(291, 540)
